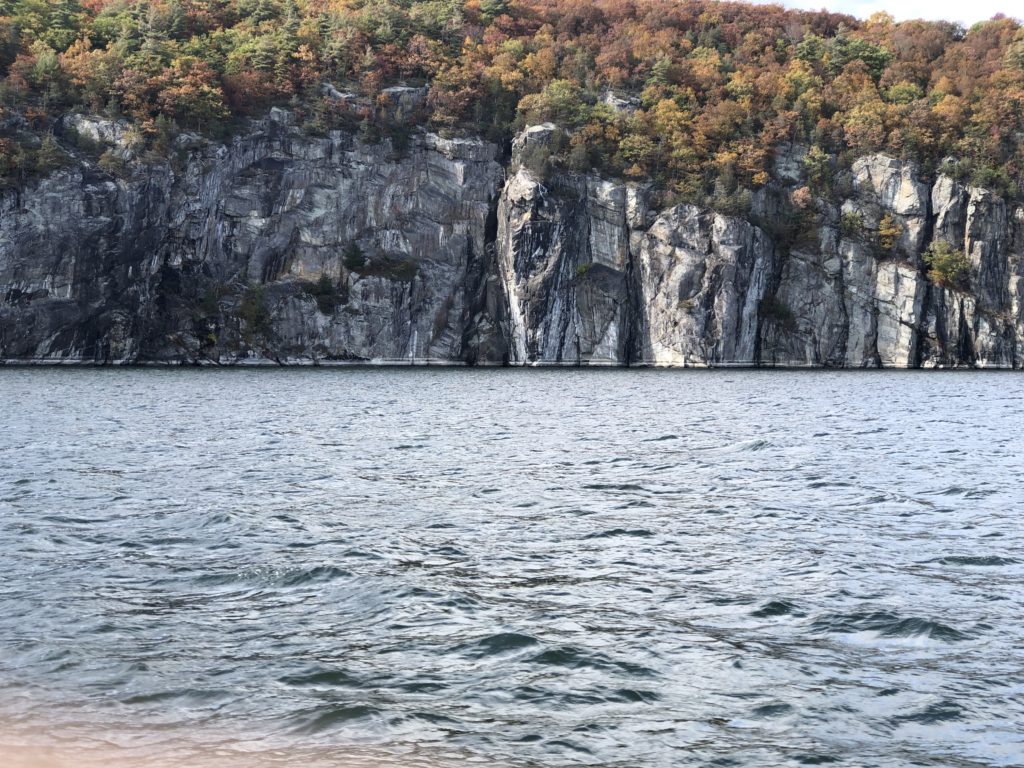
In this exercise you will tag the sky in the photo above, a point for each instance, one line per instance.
(965, 11)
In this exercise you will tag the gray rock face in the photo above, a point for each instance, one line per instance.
(112, 133)
(807, 323)
(286, 247)
(241, 253)
(981, 323)
(702, 280)
(563, 255)
(789, 162)
(852, 301)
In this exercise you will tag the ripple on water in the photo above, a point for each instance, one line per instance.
(637, 696)
(322, 677)
(274, 577)
(887, 625)
(614, 487)
(330, 717)
(566, 656)
(771, 710)
(777, 608)
(501, 643)
(979, 560)
(937, 712)
(816, 759)
(615, 532)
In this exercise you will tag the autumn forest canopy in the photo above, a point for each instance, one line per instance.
(693, 95)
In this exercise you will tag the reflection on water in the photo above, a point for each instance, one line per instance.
(543, 568)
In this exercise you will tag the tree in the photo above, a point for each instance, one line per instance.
(92, 72)
(50, 156)
(947, 266)
(712, 88)
(353, 257)
(889, 232)
(189, 92)
(561, 102)
(492, 9)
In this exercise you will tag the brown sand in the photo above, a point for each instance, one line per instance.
(21, 756)
(86, 742)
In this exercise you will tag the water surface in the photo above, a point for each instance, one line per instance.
(514, 567)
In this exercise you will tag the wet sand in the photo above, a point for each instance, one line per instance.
(41, 747)
(86, 739)
(40, 756)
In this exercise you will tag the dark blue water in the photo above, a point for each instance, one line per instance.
(518, 568)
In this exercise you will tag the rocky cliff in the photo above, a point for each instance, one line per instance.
(277, 246)
(285, 247)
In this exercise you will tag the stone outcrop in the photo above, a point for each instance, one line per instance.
(278, 245)
(702, 278)
(849, 298)
(285, 247)
(563, 254)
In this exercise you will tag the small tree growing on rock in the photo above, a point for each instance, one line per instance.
(353, 257)
(889, 232)
(50, 156)
(947, 266)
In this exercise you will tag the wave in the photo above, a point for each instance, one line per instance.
(939, 712)
(638, 532)
(980, 560)
(885, 624)
(777, 608)
(502, 642)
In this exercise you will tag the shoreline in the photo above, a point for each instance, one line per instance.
(257, 363)
(18, 756)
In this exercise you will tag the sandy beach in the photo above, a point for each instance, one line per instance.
(39, 755)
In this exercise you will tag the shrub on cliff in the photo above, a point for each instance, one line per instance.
(947, 266)
(254, 313)
(889, 233)
(851, 225)
(325, 293)
(113, 163)
(50, 156)
(353, 257)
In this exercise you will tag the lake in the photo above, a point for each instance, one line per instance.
(510, 567)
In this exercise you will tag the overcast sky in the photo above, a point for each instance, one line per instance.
(965, 11)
